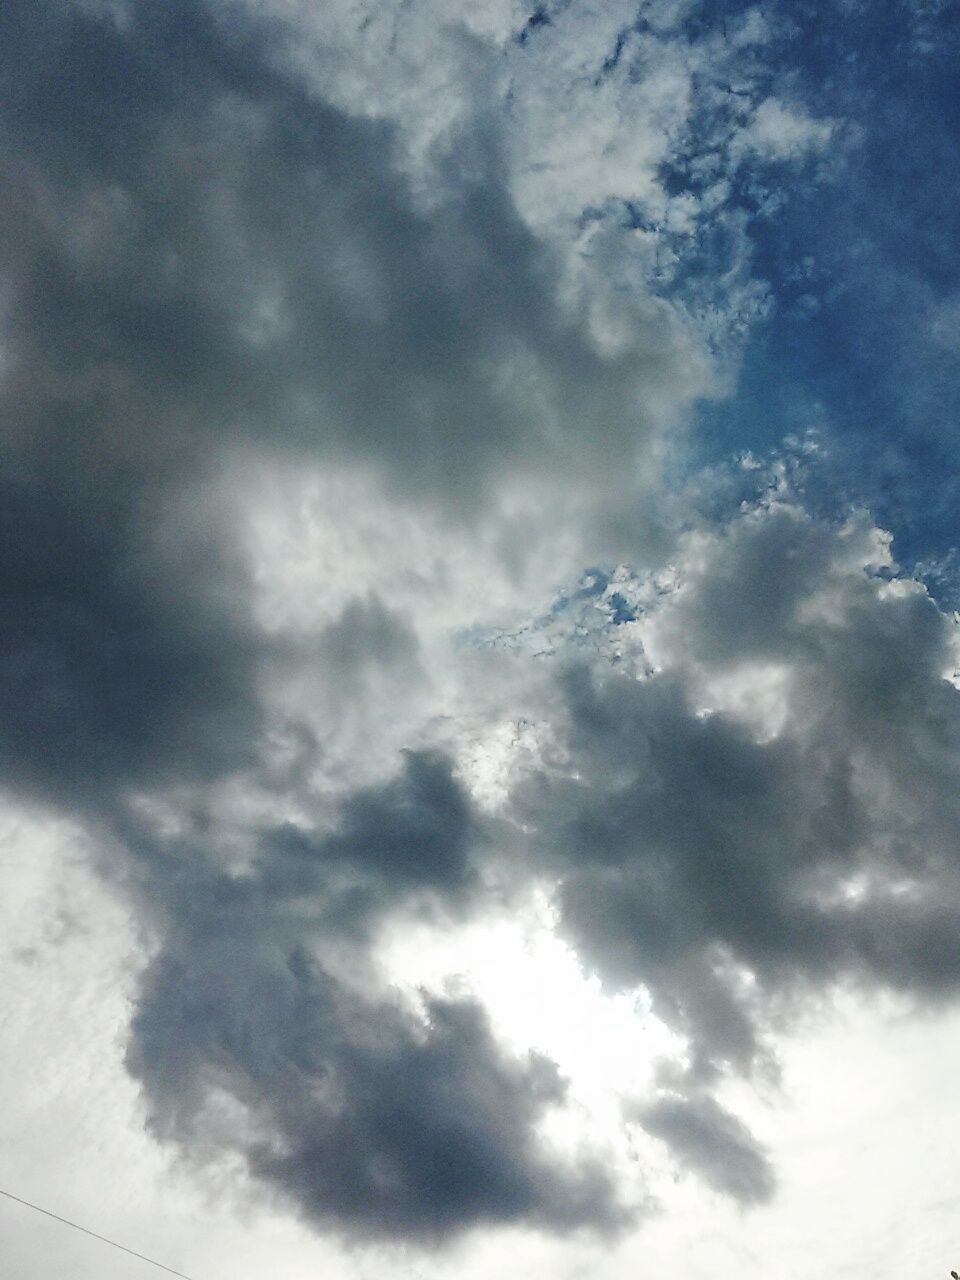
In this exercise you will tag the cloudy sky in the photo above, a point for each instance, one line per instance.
(479, 713)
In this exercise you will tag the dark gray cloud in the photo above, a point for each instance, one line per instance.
(368, 1120)
(417, 832)
(121, 659)
(365, 639)
(200, 260)
(253, 263)
(712, 1143)
(199, 256)
(733, 867)
(261, 1028)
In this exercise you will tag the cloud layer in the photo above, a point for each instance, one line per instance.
(358, 577)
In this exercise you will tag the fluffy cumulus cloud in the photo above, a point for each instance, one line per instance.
(371, 573)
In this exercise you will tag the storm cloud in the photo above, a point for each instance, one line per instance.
(370, 1116)
(767, 807)
(716, 1145)
(202, 259)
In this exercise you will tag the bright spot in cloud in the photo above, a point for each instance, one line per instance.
(539, 998)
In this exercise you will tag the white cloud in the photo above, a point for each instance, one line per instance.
(779, 132)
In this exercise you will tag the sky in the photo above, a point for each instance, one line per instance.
(479, 669)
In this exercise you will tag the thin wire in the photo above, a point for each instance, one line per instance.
(87, 1232)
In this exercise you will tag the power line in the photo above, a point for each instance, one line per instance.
(87, 1232)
